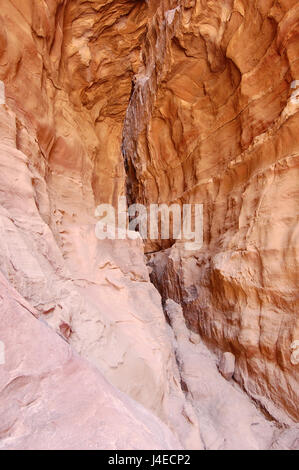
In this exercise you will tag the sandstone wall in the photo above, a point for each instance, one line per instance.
(67, 83)
(212, 121)
(185, 101)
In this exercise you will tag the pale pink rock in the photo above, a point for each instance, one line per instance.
(227, 365)
(198, 101)
(50, 398)
(228, 419)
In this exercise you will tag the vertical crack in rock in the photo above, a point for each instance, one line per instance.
(211, 118)
(68, 73)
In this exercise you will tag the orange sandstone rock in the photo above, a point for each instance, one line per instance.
(174, 101)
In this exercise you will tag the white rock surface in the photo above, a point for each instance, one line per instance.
(227, 365)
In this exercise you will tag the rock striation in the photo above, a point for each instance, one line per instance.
(214, 120)
(189, 101)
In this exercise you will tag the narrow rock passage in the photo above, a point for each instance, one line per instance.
(211, 118)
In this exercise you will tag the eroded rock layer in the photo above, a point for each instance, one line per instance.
(214, 120)
(161, 102)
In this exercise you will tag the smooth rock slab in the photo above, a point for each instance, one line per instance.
(50, 398)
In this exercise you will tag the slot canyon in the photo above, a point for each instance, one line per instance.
(132, 343)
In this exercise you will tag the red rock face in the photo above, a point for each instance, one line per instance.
(163, 102)
(218, 126)
(67, 87)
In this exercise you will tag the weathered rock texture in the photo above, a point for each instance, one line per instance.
(162, 102)
(96, 295)
(53, 163)
(53, 399)
(212, 121)
(228, 420)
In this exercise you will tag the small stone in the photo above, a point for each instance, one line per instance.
(2, 92)
(227, 365)
(65, 330)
